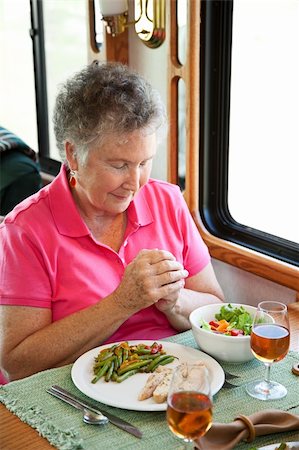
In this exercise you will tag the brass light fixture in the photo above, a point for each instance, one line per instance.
(149, 19)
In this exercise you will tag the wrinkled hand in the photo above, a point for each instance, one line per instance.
(167, 304)
(151, 276)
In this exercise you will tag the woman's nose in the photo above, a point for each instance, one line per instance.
(133, 180)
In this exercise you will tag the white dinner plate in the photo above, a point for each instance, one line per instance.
(290, 446)
(125, 395)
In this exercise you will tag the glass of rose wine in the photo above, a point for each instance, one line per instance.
(269, 341)
(189, 402)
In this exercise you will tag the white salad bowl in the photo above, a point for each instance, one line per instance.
(234, 349)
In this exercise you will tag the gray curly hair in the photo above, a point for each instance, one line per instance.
(104, 99)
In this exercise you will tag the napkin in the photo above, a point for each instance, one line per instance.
(226, 436)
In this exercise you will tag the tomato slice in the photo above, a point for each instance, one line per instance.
(156, 348)
(235, 332)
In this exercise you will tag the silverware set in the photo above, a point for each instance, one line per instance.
(92, 415)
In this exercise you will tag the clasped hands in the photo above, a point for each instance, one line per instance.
(153, 277)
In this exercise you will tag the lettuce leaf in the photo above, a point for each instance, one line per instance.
(237, 317)
(205, 325)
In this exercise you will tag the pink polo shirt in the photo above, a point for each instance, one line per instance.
(49, 258)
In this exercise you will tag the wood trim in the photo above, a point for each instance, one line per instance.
(249, 260)
(91, 26)
(236, 255)
(173, 77)
(117, 48)
(189, 73)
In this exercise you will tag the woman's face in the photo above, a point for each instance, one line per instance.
(114, 173)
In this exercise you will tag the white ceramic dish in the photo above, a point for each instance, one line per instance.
(235, 349)
(291, 446)
(125, 395)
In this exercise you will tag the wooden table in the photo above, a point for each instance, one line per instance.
(16, 435)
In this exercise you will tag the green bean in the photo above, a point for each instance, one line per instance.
(150, 356)
(125, 354)
(107, 356)
(101, 372)
(143, 351)
(153, 363)
(119, 361)
(106, 353)
(165, 361)
(119, 353)
(133, 365)
(101, 355)
(109, 371)
(156, 362)
(101, 363)
(126, 375)
(114, 374)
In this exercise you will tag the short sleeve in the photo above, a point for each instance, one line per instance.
(23, 278)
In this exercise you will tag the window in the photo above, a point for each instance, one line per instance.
(249, 117)
(59, 48)
(66, 49)
(17, 94)
(264, 139)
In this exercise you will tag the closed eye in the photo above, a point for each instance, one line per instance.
(125, 165)
(120, 166)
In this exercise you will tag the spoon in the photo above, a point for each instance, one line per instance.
(93, 418)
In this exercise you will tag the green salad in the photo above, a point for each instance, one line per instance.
(231, 320)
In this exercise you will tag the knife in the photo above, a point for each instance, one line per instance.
(118, 422)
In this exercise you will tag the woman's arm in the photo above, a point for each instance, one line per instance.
(30, 342)
(201, 289)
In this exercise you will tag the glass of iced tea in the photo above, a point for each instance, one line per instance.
(189, 402)
(269, 341)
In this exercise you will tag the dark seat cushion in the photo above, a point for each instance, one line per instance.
(19, 171)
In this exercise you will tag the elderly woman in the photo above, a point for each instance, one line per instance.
(103, 253)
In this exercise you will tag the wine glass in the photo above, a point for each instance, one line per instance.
(269, 341)
(189, 402)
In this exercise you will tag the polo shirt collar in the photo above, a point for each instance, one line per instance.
(67, 216)
(139, 211)
(64, 209)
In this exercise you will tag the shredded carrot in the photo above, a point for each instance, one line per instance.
(222, 327)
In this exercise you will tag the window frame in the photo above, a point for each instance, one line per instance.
(41, 96)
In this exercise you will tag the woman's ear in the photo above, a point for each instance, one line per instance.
(70, 153)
